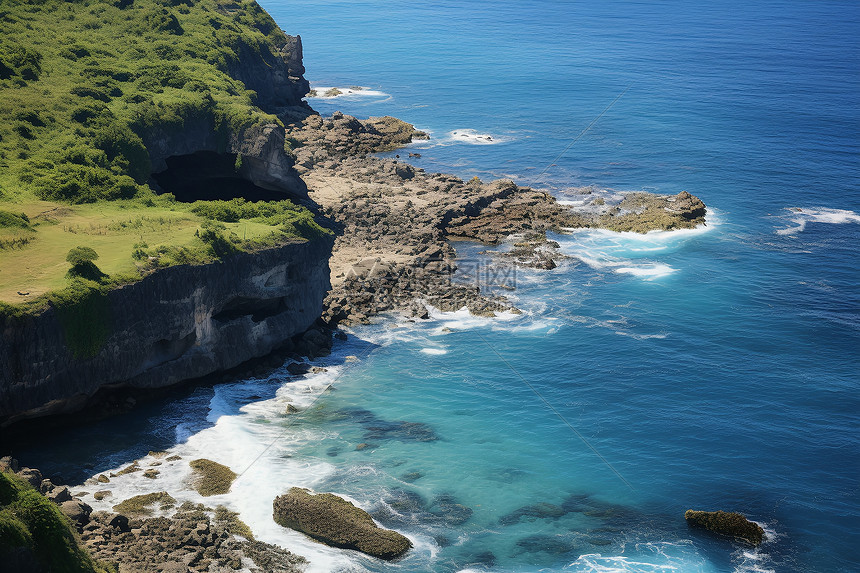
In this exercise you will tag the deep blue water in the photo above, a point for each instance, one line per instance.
(714, 369)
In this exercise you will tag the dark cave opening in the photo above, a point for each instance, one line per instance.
(206, 176)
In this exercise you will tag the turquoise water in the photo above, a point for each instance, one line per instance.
(709, 369)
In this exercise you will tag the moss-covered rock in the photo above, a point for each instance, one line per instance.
(335, 521)
(726, 523)
(643, 212)
(35, 535)
(145, 504)
(211, 478)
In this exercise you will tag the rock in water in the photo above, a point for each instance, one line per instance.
(726, 523)
(336, 522)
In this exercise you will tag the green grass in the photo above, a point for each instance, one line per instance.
(83, 84)
(134, 237)
(29, 520)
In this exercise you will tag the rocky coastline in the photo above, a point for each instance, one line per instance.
(186, 538)
(392, 253)
(395, 222)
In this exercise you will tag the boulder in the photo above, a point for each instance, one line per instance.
(335, 521)
(31, 476)
(726, 523)
(60, 495)
(77, 511)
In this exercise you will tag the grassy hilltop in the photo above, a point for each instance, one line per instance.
(83, 83)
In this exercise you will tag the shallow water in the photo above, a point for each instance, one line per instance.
(709, 369)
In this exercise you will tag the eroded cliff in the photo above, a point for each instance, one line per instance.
(180, 323)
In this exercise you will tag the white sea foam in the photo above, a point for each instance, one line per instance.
(473, 137)
(255, 439)
(647, 272)
(347, 92)
(641, 336)
(801, 216)
(572, 202)
(626, 252)
(654, 557)
(434, 351)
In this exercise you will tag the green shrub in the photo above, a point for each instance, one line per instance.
(21, 61)
(13, 533)
(214, 238)
(121, 144)
(28, 519)
(12, 220)
(162, 21)
(74, 52)
(91, 92)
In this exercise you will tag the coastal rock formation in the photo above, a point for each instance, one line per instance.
(199, 153)
(395, 222)
(179, 323)
(191, 539)
(276, 76)
(726, 523)
(335, 521)
(643, 212)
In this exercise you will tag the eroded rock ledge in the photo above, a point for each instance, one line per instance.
(194, 538)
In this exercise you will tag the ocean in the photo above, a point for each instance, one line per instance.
(714, 368)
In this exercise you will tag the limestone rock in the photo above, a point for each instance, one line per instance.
(60, 495)
(726, 523)
(77, 511)
(31, 476)
(336, 522)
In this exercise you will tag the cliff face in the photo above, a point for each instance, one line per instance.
(264, 161)
(278, 80)
(179, 323)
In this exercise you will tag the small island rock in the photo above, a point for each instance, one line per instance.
(726, 523)
(334, 521)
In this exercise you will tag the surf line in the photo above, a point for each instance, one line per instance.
(288, 426)
(556, 412)
(581, 133)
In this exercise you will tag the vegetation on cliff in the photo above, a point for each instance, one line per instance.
(33, 531)
(84, 85)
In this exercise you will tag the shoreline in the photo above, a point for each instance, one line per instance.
(396, 222)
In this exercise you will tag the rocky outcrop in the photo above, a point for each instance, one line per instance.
(176, 324)
(188, 539)
(726, 523)
(276, 76)
(334, 521)
(341, 135)
(643, 212)
(396, 220)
